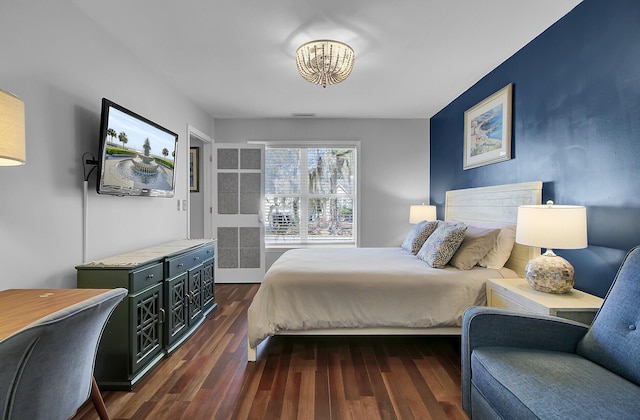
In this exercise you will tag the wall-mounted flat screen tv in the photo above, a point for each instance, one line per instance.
(137, 156)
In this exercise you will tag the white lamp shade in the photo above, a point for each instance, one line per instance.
(12, 143)
(421, 212)
(551, 226)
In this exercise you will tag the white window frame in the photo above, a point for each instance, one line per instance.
(304, 192)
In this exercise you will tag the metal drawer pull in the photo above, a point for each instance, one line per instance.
(162, 314)
(150, 276)
(180, 265)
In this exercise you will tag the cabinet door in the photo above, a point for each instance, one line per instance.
(177, 307)
(147, 318)
(195, 293)
(208, 285)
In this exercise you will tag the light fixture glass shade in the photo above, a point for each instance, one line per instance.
(324, 61)
(550, 226)
(12, 139)
(421, 212)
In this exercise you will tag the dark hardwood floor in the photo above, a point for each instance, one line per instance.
(295, 377)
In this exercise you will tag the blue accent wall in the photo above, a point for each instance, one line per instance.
(576, 127)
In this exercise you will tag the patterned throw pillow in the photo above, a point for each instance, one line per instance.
(442, 244)
(418, 235)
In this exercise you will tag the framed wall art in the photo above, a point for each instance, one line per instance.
(487, 130)
(194, 170)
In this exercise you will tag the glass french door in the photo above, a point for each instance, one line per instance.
(238, 220)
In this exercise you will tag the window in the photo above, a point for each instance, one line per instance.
(310, 195)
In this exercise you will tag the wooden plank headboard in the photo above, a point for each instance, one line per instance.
(496, 204)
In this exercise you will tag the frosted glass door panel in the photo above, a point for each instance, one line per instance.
(251, 191)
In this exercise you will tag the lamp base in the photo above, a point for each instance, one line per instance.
(550, 273)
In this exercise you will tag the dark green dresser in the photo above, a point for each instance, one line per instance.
(171, 291)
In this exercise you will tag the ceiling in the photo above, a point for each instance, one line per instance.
(235, 58)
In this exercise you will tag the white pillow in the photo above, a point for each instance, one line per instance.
(501, 251)
(476, 245)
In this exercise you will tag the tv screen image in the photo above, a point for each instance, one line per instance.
(137, 156)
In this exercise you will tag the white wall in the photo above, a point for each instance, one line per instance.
(394, 164)
(61, 64)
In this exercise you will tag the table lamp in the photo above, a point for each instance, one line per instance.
(551, 226)
(12, 143)
(421, 212)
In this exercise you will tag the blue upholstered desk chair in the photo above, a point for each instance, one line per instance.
(46, 369)
(519, 365)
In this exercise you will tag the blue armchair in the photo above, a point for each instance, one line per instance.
(525, 366)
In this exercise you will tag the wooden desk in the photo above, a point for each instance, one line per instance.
(21, 307)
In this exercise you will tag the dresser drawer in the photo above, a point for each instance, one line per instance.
(146, 276)
(186, 261)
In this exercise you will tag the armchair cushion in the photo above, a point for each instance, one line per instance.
(529, 384)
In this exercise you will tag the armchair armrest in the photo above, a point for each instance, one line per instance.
(495, 327)
(483, 326)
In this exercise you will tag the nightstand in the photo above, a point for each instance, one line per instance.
(517, 294)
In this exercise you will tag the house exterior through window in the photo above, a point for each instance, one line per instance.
(310, 194)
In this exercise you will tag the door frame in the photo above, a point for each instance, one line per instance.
(205, 173)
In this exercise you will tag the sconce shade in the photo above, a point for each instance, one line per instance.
(421, 212)
(552, 226)
(325, 62)
(12, 139)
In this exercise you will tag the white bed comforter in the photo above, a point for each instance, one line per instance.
(362, 287)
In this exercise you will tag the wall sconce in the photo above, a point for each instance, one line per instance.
(421, 212)
(550, 226)
(12, 138)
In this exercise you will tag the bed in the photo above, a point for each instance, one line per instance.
(386, 291)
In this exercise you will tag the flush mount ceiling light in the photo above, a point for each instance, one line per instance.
(325, 62)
